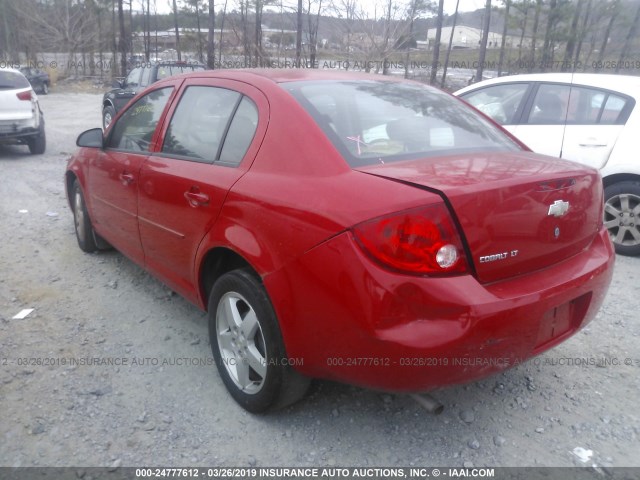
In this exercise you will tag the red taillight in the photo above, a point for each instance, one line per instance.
(24, 95)
(420, 241)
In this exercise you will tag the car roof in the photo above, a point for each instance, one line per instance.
(626, 84)
(274, 75)
(8, 69)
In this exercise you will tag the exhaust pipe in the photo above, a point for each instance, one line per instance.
(429, 403)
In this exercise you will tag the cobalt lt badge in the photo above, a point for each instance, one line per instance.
(558, 208)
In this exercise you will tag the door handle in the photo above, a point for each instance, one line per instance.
(126, 178)
(592, 143)
(196, 199)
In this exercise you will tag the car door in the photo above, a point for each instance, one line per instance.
(543, 121)
(130, 88)
(594, 121)
(114, 172)
(209, 142)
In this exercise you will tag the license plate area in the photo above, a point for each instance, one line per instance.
(561, 321)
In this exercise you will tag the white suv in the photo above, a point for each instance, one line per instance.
(589, 118)
(21, 120)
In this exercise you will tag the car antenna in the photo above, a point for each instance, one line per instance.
(566, 113)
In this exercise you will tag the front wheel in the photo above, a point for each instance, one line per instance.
(622, 216)
(108, 114)
(247, 345)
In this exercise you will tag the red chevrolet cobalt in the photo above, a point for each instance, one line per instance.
(347, 227)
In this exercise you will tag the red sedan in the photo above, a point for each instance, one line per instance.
(347, 227)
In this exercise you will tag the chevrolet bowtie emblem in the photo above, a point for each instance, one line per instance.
(558, 208)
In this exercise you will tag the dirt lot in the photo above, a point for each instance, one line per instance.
(167, 405)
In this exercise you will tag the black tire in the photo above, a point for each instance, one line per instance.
(622, 216)
(275, 384)
(88, 240)
(38, 143)
(45, 88)
(108, 114)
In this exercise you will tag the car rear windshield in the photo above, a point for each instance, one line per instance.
(11, 80)
(380, 121)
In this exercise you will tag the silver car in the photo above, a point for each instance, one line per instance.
(21, 119)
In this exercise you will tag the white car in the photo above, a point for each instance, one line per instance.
(21, 120)
(589, 118)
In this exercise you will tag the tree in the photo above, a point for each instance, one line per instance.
(446, 59)
(507, 6)
(483, 42)
(299, 14)
(176, 29)
(436, 45)
(534, 34)
(211, 51)
(547, 48)
(631, 36)
(313, 23)
(416, 8)
(573, 37)
(614, 9)
(122, 41)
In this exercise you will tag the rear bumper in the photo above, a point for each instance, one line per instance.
(346, 319)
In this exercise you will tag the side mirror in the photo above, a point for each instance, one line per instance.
(91, 138)
(117, 84)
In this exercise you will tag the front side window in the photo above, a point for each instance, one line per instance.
(133, 79)
(200, 122)
(500, 102)
(377, 121)
(134, 130)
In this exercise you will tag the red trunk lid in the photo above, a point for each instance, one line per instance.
(519, 212)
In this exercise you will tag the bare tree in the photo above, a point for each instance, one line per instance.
(436, 45)
(547, 48)
(176, 29)
(211, 50)
(631, 36)
(573, 37)
(483, 42)
(507, 6)
(122, 41)
(450, 46)
(614, 9)
(313, 24)
(299, 14)
(534, 34)
(224, 16)
(583, 31)
(416, 8)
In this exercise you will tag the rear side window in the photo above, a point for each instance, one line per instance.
(12, 80)
(134, 130)
(241, 133)
(200, 122)
(556, 104)
(133, 79)
(378, 122)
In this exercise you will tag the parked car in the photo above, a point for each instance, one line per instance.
(138, 79)
(592, 119)
(343, 226)
(38, 79)
(21, 120)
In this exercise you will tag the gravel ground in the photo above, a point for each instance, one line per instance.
(167, 405)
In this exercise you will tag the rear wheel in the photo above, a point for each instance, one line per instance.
(622, 216)
(38, 143)
(45, 88)
(247, 345)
